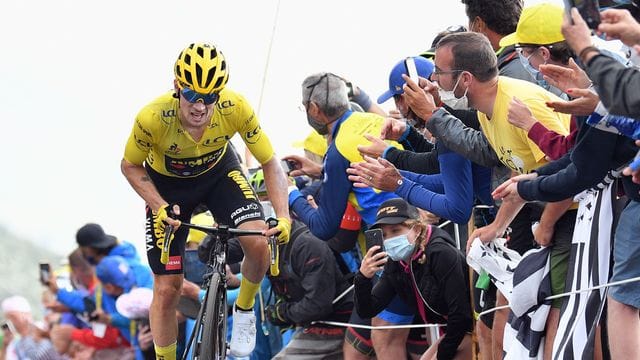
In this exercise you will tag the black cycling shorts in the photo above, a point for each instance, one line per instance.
(223, 189)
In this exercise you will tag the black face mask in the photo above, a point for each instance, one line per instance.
(91, 260)
(320, 128)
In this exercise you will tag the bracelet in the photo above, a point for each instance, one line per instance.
(587, 50)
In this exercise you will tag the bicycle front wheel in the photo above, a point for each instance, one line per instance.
(214, 327)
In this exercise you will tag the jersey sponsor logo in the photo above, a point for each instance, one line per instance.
(212, 142)
(141, 143)
(192, 166)
(254, 135)
(213, 125)
(249, 119)
(144, 131)
(225, 104)
(174, 149)
(245, 208)
(253, 215)
(243, 184)
(174, 263)
(148, 234)
(169, 113)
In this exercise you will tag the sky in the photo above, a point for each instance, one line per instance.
(75, 74)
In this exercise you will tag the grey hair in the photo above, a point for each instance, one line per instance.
(315, 88)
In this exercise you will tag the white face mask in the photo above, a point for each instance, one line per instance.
(450, 99)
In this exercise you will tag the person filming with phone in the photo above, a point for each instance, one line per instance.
(422, 265)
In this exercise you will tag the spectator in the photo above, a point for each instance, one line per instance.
(25, 341)
(467, 76)
(95, 245)
(426, 270)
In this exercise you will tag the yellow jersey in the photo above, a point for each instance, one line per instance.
(513, 146)
(159, 139)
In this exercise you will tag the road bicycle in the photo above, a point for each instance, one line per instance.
(209, 336)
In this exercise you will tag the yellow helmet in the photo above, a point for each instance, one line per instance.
(202, 68)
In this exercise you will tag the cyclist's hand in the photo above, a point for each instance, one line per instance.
(165, 215)
(274, 314)
(283, 229)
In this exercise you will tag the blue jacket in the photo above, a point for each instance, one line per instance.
(451, 193)
(144, 276)
(337, 190)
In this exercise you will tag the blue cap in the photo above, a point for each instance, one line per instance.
(116, 271)
(396, 82)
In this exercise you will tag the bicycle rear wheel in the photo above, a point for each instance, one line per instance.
(213, 345)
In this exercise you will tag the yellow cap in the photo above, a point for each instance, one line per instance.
(538, 25)
(314, 143)
(206, 219)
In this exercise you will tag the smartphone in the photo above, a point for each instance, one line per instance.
(373, 237)
(288, 165)
(45, 273)
(89, 308)
(412, 71)
(588, 9)
(350, 89)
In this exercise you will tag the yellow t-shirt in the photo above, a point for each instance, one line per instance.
(159, 139)
(513, 146)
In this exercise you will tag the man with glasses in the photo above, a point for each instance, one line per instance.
(177, 157)
(467, 76)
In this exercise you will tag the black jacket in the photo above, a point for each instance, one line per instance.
(595, 153)
(443, 281)
(617, 85)
(310, 280)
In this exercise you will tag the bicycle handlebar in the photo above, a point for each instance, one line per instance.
(222, 229)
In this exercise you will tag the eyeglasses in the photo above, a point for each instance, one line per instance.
(192, 96)
(438, 72)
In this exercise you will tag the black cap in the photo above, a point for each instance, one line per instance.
(92, 235)
(395, 211)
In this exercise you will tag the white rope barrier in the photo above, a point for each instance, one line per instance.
(381, 327)
(615, 283)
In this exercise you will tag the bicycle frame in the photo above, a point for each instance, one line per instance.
(216, 264)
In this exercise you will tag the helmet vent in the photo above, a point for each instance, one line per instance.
(209, 77)
(200, 51)
(187, 76)
(187, 59)
(199, 74)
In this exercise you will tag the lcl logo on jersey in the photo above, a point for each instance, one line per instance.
(254, 135)
(216, 141)
(225, 104)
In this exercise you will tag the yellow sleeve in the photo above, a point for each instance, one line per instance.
(256, 140)
(552, 120)
(140, 141)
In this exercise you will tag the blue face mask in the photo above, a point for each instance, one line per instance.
(398, 247)
(533, 71)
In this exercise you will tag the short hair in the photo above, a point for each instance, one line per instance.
(327, 90)
(561, 52)
(501, 16)
(472, 52)
(77, 260)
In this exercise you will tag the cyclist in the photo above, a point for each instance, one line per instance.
(178, 153)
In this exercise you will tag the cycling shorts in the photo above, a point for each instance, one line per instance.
(224, 190)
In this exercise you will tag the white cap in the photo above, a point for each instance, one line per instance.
(135, 304)
(16, 303)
